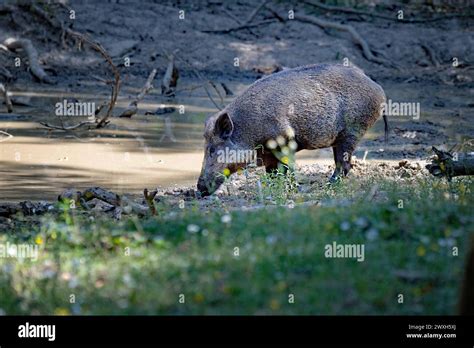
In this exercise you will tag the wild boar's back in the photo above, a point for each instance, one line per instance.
(320, 102)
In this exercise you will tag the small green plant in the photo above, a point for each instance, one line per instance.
(279, 186)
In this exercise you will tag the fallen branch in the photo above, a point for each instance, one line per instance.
(62, 127)
(149, 199)
(32, 54)
(7, 136)
(8, 102)
(170, 79)
(227, 90)
(245, 25)
(199, 76)
(115, 87)
(255, 12)
(132, 108)
(356, 37)
(431, 54)
(240, 27)
(447, 165)
(96, 46)
(377, 15)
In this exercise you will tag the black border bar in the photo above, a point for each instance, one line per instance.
(139, 330)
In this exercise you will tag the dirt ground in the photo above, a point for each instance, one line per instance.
(439, 77)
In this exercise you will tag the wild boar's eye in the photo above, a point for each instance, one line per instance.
(212, 150)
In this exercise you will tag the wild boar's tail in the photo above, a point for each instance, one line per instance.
(385, 121)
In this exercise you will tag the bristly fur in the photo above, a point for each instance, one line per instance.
(327, 105)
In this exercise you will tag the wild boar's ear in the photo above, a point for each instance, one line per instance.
(224, 126)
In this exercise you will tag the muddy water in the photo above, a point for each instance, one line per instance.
(127, 156)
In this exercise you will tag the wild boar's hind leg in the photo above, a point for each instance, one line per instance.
(342, 151)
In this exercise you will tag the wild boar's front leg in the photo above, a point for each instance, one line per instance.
(270, 162)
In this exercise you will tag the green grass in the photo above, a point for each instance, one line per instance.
(281, 252)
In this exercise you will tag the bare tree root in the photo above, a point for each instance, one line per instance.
(32, 54)
(356, 37)
(132, 108)
(377, 15)
(8, 102)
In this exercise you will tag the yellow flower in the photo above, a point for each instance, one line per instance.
(39, 240)
(284, 160)
(199, 298)
(274, 304)
(226, 172)
(421, 251)
(281, 286)
(61, 311)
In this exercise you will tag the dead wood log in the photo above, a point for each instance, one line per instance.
(132, 108)
(8, 102)
(356, 37)
(170, 79)
(32, 54)
(448, 165)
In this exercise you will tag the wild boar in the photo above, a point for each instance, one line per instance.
(319, 105)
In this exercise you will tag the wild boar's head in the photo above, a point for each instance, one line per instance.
(221, 153)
